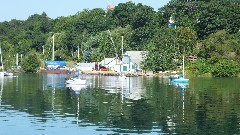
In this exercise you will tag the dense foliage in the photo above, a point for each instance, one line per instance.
(31, 63)
(208, 29)
(225, 68)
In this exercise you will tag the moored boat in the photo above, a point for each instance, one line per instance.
(55, 71)
(8, 74)
(76, 81)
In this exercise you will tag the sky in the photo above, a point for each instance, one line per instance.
(22, 9)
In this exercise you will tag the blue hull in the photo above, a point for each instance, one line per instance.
(180, 80)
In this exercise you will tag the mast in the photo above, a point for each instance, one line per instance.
(78, 52)
(183, 62)
(113, 46)
(53, 48)
(122, 47)
(183, 66)
(17, 59)
(1, 57)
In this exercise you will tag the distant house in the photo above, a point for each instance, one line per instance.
(111, 64)
(85, 66)
(132, 61)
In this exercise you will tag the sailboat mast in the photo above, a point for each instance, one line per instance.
(122, 47)
(1, 57)
(183, 66)
(113, 46)
(53, 48)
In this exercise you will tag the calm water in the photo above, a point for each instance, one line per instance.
(41, 104)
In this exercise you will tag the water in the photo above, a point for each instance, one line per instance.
(41, 104)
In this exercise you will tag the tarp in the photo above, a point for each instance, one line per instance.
(55, 63)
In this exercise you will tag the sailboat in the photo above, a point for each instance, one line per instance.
(181, 78)
(4, 73)
(55, 67)
(1, 72)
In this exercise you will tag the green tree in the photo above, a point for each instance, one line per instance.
(225, 68)
(186, 40)
(8, 54)
(216, 47)
(200, 67)
(31, 62)
(124, 13)
(160, 52)
(92, 21)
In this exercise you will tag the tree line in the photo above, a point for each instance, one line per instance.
(208, 29)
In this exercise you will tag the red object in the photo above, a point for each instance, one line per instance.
(103, 69)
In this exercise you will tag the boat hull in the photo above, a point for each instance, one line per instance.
(55, 71)
(180, 80)
(75, 81)
(8, 74)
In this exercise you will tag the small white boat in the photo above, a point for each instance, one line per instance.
(8, 74)
(76, 81)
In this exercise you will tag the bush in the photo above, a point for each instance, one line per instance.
(200, 67)
(225, 68)
(31, 63)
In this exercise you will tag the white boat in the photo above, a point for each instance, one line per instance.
(76, 81)
(8, 74)
(3, 73)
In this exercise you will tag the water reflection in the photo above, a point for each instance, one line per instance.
(136, 105)
(53, 81)
(1, 90)
(5, 80)
(76, 88)
(130, 87)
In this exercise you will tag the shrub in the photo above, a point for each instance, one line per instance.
(200, 67)
(31, 63)
(225, 68)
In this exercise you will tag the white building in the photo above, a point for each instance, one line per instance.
(85, 66)
(131, 62)
(111, 64)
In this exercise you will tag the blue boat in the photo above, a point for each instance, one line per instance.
(181, 78)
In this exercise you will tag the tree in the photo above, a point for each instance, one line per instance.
(92, 21)
(216, 47)
(7, 51)
(124, 13)
(186, 40)
(225, 68)
(31, 62)
(143, 25)
(160, 51)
